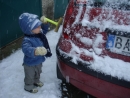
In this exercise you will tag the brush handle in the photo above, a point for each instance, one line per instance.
(51, 21)
(57, 24)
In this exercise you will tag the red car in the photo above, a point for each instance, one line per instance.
(93, 52)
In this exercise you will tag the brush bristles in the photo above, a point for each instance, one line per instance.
(58, 25)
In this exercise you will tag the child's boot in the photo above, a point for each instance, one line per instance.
(32, 90)
(40, 84)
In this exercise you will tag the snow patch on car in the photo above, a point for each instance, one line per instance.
(106, 65)
(97, 41)
(86, 41)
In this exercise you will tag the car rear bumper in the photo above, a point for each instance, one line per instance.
(92, 82)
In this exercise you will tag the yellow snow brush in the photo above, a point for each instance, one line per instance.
(57, 24)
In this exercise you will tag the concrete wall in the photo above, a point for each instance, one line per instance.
(48, 8)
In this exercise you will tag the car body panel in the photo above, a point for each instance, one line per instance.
(93, 85)
(81, 32)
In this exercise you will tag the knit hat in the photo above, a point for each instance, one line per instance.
(29, 22)
(35, 24)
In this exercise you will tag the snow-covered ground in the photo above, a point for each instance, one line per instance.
(12, 74)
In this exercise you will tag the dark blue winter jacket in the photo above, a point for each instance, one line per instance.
(31, 41)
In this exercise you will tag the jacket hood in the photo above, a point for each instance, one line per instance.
(28, 22)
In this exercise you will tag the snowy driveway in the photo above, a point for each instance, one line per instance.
(12, 74)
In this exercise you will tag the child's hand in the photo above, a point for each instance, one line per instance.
(40, 51)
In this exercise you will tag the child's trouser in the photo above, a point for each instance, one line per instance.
(32, 75)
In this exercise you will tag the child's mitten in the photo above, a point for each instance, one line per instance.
(43, 19)
(40, 51)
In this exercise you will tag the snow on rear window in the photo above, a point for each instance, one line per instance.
(108, 17)
(115, 4)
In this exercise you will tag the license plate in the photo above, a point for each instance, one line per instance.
(118, 44)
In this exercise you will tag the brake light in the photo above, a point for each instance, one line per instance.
(65, 45)
(66, 36)
(70, 8)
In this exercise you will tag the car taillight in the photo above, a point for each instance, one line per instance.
(65, 45)
(66, 36)
(70, 9)
(67, 19)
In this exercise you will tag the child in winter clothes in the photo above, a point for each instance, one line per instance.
(35, 48)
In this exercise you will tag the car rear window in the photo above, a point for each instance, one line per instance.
(114, 4)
